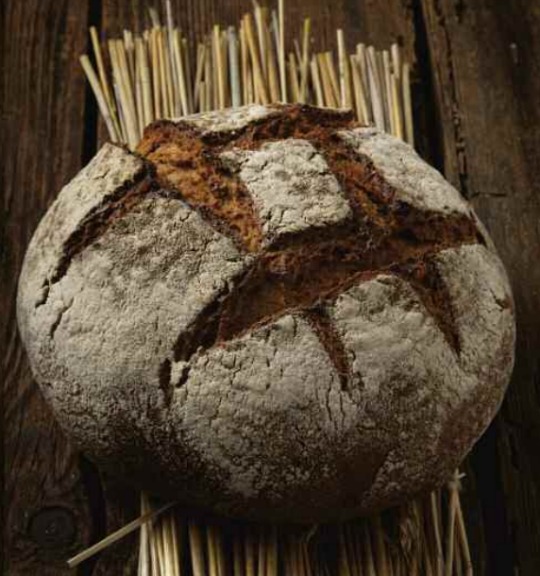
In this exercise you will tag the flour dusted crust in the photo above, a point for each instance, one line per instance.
(238, 407)
(108, 171)
(391, 338)
(416, 182)
(268, 313)
(291, 185)
(114, 316)
(228, 120)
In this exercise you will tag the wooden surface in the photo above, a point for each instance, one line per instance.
(477, 112)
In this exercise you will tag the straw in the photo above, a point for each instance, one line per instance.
(343, 560)
(230, 68)
(329, 95)
(331, 69)
(293, 78)
(361, 59)
(273, 77)
(305, 59)
(216, 48)
(396, 59)
(155, 72)
(260, 23)
(177, 110)
(272, 555)
(196, 550)
(282, 73)
(163, 75)
(238, 560)
(344, 72)
(103, 81)
(186, 53)
(249, 554)
(138, 94)
(261, 554)
(118, 535)
(435, 526)
(126, 102)
(180, 74)
(383, 568)
(375, 89)
(407, 105)
(199, 72)
(314, 68)
(212, 552)
(100, 98)
(258, 75)
(397, 107)
(368, 553)
(450, 535)
(359, 94)
(387, 92)
(145, 82)
(129, 49)
(236, 97)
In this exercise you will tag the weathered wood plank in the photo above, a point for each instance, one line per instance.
(486, 70)
(47, 511)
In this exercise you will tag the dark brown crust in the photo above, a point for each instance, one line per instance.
(427, 282)
(314, 269)
(331, 341)
(203, 332)
(186, 164)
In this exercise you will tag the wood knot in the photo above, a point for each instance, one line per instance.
(53, 527)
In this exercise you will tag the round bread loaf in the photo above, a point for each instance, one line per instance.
(270, 313)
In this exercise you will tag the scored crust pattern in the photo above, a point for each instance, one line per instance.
(369, 229)
(286, 223)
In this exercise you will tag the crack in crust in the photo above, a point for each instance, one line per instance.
(98, 220)
(203, 331)
(289, 280)
(311, 267)
(426, 280)
(332, 342)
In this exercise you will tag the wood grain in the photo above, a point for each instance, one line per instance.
(47, 511)
(486, 70)
(367, 20)
(476, 92)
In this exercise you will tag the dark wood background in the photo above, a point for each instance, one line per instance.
(477, 114)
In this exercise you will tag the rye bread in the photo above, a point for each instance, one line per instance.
(270, 313)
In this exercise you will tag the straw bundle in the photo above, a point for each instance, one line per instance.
(157, 74)
(426, 536)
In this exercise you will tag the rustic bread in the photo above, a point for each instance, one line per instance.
(270, 313)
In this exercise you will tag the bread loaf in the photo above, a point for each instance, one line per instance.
(269, 313)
